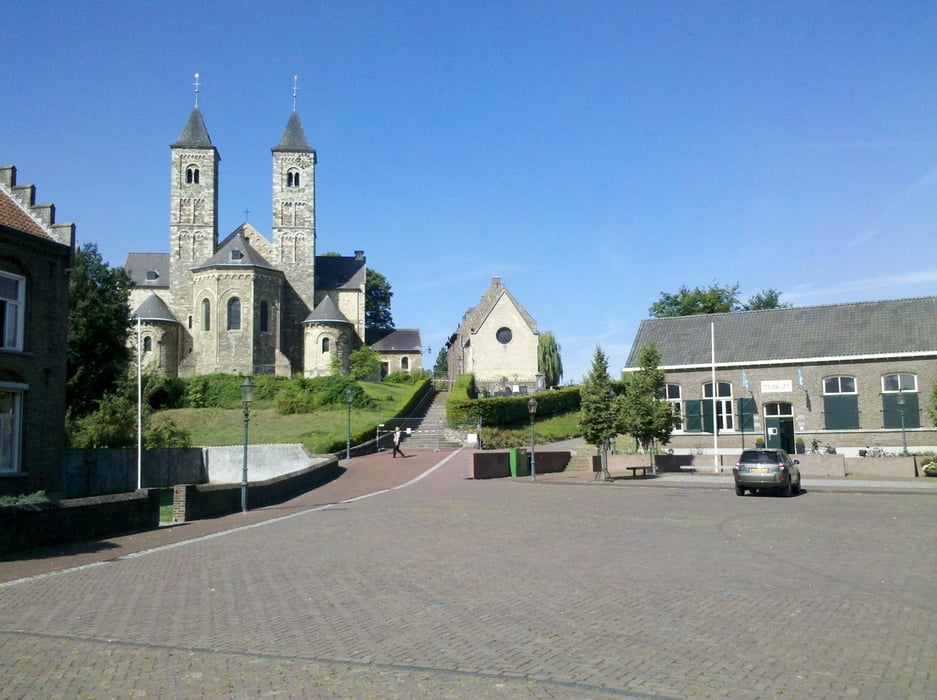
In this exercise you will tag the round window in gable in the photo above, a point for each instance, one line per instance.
(504, 335)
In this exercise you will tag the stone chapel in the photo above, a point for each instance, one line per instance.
(245, 304)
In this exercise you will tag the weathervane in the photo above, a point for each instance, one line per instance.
(295, 90)
(196, 89)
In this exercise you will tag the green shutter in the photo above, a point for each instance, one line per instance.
(707, 416)
(891, 418)
(747, 414)
(692, 416)
(841, 412)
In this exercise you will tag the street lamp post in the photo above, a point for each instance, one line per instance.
(532, 408)
(904, 436)
(247, 395)
(349, 397)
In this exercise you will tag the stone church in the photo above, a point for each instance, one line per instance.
(245, 304)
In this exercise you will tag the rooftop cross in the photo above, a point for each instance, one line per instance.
(196, 83)
(295, 90)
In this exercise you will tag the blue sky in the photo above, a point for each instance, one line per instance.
(591, 154)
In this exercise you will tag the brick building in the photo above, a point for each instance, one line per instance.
(854, 375)
(36, 255)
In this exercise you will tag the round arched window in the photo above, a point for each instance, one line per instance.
(504, 335)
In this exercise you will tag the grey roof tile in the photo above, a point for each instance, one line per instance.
(148, 269)
(326, 312)
(194, 134)
(294, 137)
(856, 329)
(395, 340)
(154, 309)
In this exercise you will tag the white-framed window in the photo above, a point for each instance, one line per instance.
(11, 426)
(725, 415)
(840, 403)
(899, 382)
(12, 310)
(674, 396)
(900, 401)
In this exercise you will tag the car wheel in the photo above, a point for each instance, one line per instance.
(796, 489)
(739, 491)
(786, 490)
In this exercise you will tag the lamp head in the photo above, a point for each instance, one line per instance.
(247, 391)
(532, 406)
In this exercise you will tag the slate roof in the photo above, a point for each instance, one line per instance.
(326, 312)
(395, 340)
(13, 216)
(139, 264)
(340, 272)
(235, 251)
(154, 309)
(475, 317)
(294, 137)
(194, 134)
(817, 333)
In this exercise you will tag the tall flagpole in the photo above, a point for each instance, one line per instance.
(712, 338)
(139, 406)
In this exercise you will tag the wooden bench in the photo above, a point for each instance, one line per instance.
(643, 469)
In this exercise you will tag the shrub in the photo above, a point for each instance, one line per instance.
(113, 424)
(305, 395)
(164, 432)
(25, 499)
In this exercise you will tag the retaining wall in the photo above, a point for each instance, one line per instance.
(77, 520)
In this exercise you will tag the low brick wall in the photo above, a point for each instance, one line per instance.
(77, 520)
(195, 501)
(496, 464)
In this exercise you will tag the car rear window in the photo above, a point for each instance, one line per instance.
(760, 457)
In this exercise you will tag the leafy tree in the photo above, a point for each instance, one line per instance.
(690, 302)
(98, 322)
(364, 364)
(597, 418)
(441, 368)
(765, 299)
(715, 299)
(112, 424)
(377, 296)
(549, 362)
(645, 416)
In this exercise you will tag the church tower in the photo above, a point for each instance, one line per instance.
(193, 225)
(294, 230)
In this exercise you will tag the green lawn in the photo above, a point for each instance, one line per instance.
(325, 430)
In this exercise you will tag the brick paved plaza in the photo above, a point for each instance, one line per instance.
(448, 587)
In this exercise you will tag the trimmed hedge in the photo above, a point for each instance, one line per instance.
(461, 408)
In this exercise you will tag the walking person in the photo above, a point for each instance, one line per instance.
(397, 435)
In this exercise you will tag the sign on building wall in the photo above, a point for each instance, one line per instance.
(777, 386)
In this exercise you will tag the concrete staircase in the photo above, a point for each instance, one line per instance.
(429, 430)
(580, 459)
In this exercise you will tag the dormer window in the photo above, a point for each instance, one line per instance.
(152, 275)
(292, 178)
(237, 254)
(191, 175)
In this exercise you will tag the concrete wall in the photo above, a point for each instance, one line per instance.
(195, 501)
(224, 464)
(94, 472)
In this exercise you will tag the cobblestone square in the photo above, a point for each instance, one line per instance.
(448, 587)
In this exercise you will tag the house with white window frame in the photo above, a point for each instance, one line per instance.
(36, 255)
(858, 376)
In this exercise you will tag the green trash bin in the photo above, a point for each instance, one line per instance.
(519, 464)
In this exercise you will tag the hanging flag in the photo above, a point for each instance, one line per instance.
(800, 377)
(744, 380)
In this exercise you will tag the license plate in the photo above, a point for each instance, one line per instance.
(760, 470)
